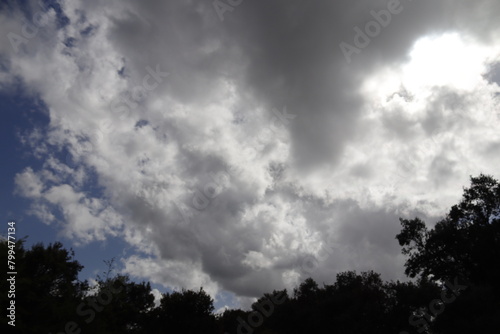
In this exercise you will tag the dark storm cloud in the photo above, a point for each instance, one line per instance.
(286, 54)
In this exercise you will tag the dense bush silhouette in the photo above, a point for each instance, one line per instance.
(454, 264)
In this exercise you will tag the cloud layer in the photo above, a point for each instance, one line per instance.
(247, 154)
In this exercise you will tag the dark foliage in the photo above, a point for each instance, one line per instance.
(455, 266)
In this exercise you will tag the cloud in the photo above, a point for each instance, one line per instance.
(82, 217)
(157, 295)
(29, 184)
(246, 155)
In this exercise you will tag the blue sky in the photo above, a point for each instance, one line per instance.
(23, 114)
(20, 114)
(243, 147)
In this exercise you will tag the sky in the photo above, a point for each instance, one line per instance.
(242, 146)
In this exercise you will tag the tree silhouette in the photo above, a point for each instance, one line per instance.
(118, 306)
(464, 244)
(47, 287)
(186, 312)
(461, 251)
(454, 264)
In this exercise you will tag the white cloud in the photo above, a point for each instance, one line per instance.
(157, 295)
(181, 274)
(29, 184)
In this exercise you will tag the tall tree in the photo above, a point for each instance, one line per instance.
(461, 254)
(186, 312)
(118, 305)
(465, 244)
(47, 287)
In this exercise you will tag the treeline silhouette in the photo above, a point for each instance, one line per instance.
(455, 266)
